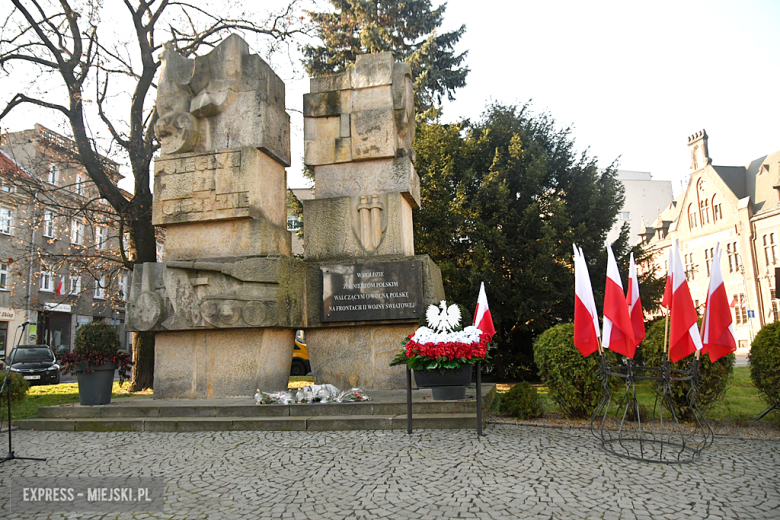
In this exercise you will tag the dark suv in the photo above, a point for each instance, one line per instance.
(36, 364)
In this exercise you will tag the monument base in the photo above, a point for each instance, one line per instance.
(358, 356)
(221, 363)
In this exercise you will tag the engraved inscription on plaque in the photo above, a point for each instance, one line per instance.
(200, 187)
(370, 292)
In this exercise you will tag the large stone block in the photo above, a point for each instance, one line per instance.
(336, 227)
(372, 70)
(379, 176)
(214, 294)
(330, 83)
(227, 98)
(245, 237)
(358, 355)
(372, 98)
(225, 363)
(373, 134)
(225, 185)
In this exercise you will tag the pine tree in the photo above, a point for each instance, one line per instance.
(407, 28)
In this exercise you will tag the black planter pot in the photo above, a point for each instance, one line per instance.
(95, 386)
(449, 385)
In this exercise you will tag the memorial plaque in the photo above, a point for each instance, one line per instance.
(370, 292)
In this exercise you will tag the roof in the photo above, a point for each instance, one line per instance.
(10, 167)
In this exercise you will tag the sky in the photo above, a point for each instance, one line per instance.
(633, 80)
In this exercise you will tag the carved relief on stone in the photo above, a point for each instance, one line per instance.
(369, 220)
(202, 102)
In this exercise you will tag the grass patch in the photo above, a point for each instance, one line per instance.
(740, 404)
(53, 395)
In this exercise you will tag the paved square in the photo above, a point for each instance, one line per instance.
(513, 472)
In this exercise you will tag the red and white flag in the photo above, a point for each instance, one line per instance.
(482, 318)
(618, 333)
(635, 304)
(669, 289)
(684, 338)
(60, 286)
(586, 318)
(717, 327)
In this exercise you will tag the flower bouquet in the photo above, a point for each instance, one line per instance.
(446, 347)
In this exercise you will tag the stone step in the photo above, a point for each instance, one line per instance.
(267, 423)
(152, 410)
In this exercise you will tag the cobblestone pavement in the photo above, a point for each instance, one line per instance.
(512, 472)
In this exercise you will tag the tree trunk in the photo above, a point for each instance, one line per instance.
(143, 361)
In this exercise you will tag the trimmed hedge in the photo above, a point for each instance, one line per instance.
(765, 363)
(713, 377)
(573, 380)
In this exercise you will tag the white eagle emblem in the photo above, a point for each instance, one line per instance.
(443, 321)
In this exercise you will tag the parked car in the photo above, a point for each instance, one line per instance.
(36, 364)
(300, 363)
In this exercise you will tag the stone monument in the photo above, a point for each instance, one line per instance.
(366, 289)
(226, 301)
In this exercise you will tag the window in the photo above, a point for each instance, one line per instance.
(770, 249)
(100, 288)
(4, 277)
(7, 187)
(6, 221)
(101, 237)
(123, 277)
(690, 267)
(48, 224)
(740, 309)
(623, 215)
(47, 279)
(75, 284)
(54, 174)
(709, 254)
(775, 306)
(704, 206)
(733, 254)
(76, 232)
(717, 210)
(295, 223)
(692, 221)
(79, 186)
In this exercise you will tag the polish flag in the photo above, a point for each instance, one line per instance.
(482, 318)
(618, 333)
(668, 290)
(60, 286)
(635, 304)
(717, 328)
(684, 337)
(586, 318)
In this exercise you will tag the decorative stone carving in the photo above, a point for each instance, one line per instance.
(369, 220)
(227, 98)
(253, 292)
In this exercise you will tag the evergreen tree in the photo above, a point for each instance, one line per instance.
(405, 27)
(502, 202)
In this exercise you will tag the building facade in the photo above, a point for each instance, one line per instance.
(59, 244)
(737, 207)
(645, 199)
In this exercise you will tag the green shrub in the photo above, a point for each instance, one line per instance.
(573, 380)
(713, 377)
(19, 387)
(522, 402)
(97, 337)
(765, 363)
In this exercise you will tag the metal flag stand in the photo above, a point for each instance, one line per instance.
(629, 430)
